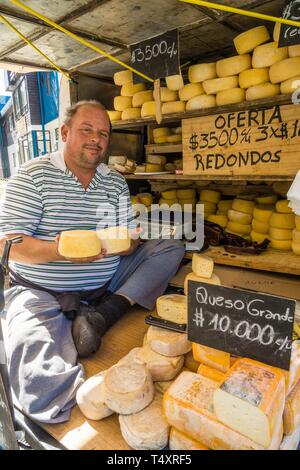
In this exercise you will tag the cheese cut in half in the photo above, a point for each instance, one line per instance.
(251, 400)
(202, 265)
(249, 40)
(285, 69)
(233, 65)
(128, 388)
(213, 86)
(210, 373)
(291, 442)
(168, 343)
(219, 360)
(233, 96)
(180, 441)
(201, 102)
(253, 77)
(291, 415)
(146, 430)
(160, 367)
(172, 307)
(79, 244)
(125, 76)
(268, 54)
(188, 406)
(215, 280)
(114, 239)
(174, 82)
(190, 363)
(265, 90)
(90, 398)
(200, 72)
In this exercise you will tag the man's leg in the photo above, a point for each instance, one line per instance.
(42, 357)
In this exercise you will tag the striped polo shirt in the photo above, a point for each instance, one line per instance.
(45, 198)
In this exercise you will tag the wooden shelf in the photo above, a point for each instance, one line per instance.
(169, 118)
(163, 148)
(271, 260)
(173, 177)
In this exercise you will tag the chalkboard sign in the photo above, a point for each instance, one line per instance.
(290, 35)
(156, 57)
(243, 323)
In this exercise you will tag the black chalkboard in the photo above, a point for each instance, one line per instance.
(156, 57)
(243, 323)
(290, 35)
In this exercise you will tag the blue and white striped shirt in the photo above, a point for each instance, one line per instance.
(45, 198)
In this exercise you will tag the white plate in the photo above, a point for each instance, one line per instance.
(155, 173)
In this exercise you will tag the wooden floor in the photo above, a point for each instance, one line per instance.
(81, 433)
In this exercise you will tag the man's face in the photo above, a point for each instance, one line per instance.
(86, 137)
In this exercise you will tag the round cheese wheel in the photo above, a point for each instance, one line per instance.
(161, 132)
(289, 86)
(213, 86)
(262, 212)
(210, 196)
(148, 109)
(90, 398)
(145, 198)
(268, 199)
(79, 244)
(141, 97)
(201, 102)
(173, 107)
(114, 239)
(125, 76)
(280, 234)
(174, 139)
(282, 245)
(168, 343)
(174, 82)
(294, 51)
(285, 221)
(285, 69)
(253, 77)
(265, 90)
(247, 41)
(161, 367)
(130, 89)
(167, 95)
(168, 202)
(122, 102)
(268, 54)
(296, 248)
(233, 65)
(233, 96)
(242, 205)
(156, 159)
(153, 168)
(114, 115)
(296, 235)
(209, 207)
(282, 206)
(186, 193)
(260, 227)
(169, 194)
(225, 205)
(131, 113)
(258, 237)
(200, 72)
(190, 90)
(242, 229)
(239, 217)
(161, 140)
(297, 222)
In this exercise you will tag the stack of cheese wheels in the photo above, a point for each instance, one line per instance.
(186, 198)
(209, 199)
(169, 197)
(223, 206)
(202, 271)
(296, 236)
(261, 217)
(282, 224)
(240, 217)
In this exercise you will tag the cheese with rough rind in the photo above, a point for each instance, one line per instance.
(258, 237)
(215, 280)
(128, 388)
(190, 363)
(129, 358)
(173, 107)
(233, 96)
(90, 398)
(168, 343)
(131, 113)
(210, 196)
(242, 205)
(285, 69)
(253, 77)
(291, 415)
(147, 429)
(265, 90)
(239, 217)
(289, 86)
(262, 212)
(130, 89)
(200, 72)
(153, 168)
(283, 207)
(190, 90)
(260, 227)
(249, 40)
(141, 97)
(251, 400)
(282, 245)
(172, 307)
(174, 82)
(218, 219)
(125, 76)
(114, 239)
(79, 244)
(180, 441)
(122, 102)
(201, 102)
(213, 86)
(280, 234)
(233, 65)
(114, 115)
(202, 265)
(219, 360)
(161, 368)
(148, 109)
(168, 95)
(211, 373)
(286, 221)
(268, 54)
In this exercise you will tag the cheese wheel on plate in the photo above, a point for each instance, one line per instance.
(90, 398)
(213, 86)
(249, 40)
(168, 343)
(233, 65)
(268, 55)
(79, 244)
(161, 368)
(114, 239)
(200, 72)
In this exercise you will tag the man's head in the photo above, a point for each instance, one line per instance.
(86, 134)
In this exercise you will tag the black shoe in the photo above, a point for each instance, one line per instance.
(87, 334)
(111, 309)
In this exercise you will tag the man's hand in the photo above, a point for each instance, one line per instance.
(135, 242)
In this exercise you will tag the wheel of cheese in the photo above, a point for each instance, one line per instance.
(268, 55)
(200, 72)
(169, 194)
(233, 96)
(130, 89)
(114, 239)
(190, 363)
(224, 205)
(174, 139)
(215, 280)
(233, 65)
(141, 97)
(289, 86)
(210, 196)
(211, 357)
(297, 222)
(263, 212)
(281, 245)
(213, 86)
(157, 160)
(147, 429)
(268, 199)
(190, 90)
(296, 235)
(131, 113)
(294, 51)
(202, 265)
(253, 77)
(285, 221)
(129, 358)
(161, 132)
(90, 398)
(153, 168)
(242, 229)
(172, 307)
(239, 217)
(161, 140)
(122, 102)
(180, 441)
(201, 102)
(148, 109)
(249, 40)
(260, 227)
(186, 202)
(282, 207)
(173, 107)
(258, 237)
(168, 343)
(168, 202)
(79, 244)
(265, 90)
(296, 248)
(186, 193)
(125, 76)
(242, 205)
(128, 388)
(160, 367)
(285, 69)
(167, 95)
(114, 115)
(174, 82)
(221, 220)
(145, 198)
(280, 234)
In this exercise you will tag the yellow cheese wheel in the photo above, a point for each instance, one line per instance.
(258, 237)
(173, 107)
(153, 168)
(249, 40)
(282, 245)
(172, 307)
(187, 202)
(168, 202)
(161, 132)
(114, 115)
(242, 205)
(218, 219)
(296, 235)
(215, 280)
(174, 82)
(170, 167)
(145, 198)
(156, 159)
(294, 51)
(268, 55)
(209, 207)
(174, 138)
(148, 109)
(141, 97)
(201, 72)
(130, 89)
(114, 239)
(211, 357)
(210, 196)
(286, 221)
(297, 222)
(125, 76)
(233, 65)
(253, 77)
(234, 227)
(239, 217)
(285, 69)
(260, 227)
(280, 233)
(224, 205)
(202, 265)
(79, 244)
(265, 90)
(233, 96)
(169, 194)
(131, 113)
(134, 199)
(263, 212)
(186, 193)
(190, 90)
(268, 199)
(168, 95)
(296, 248)
(122, 102)
(201, 102)
(161, 140)
(289, 86)
(283, 207)
(213, 86)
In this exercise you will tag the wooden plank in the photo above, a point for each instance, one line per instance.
(80, 433)
(272, 260)
(163, 148)
(207, 177)
(260, 141)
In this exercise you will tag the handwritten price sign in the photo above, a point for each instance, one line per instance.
(290, 35)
